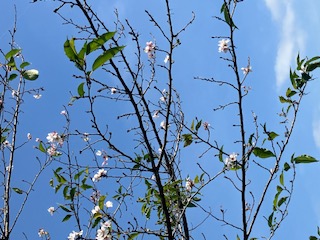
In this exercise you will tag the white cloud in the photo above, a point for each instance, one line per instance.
(291, 40)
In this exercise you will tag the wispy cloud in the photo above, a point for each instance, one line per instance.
(291, 40)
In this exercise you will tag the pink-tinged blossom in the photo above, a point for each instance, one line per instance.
(224, 45)
(149, 49)
(37, 96)
(52, 150)
(38, 140)
(97, 177)
(54, 137)
(206, 126)
(51, 210)
(246, 70)
(75, 235)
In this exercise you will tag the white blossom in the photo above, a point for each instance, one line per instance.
(29, 136)
(109, 204)
(166, 59)
(63, 112)
(189, 184)
(246, 70)
(95, 210)
(104, 232)
(37, 96)
(42, 232)
(98, 153)
(113, 90)
(231, 161)
(149, 49)
(223, 45)
(51, 210)
(97, 177)
(74, 235)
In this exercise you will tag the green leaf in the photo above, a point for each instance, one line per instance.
(41, 147)
(72, 193)
(284, 100)
(24, 64)
(198, 125)
(262, 152)
(101, 201)
(282, 200)
(98, 42)
(281, 179)
(12, 76)
(221, 154)
(270, 220)
(133, 235)
(293, 77)
(65, 208)
(191, 205)
(106, 56)
(286, 166)
(304, 159)
(192, 126)
(96, 222)
(313, 66)
(31, 74)
(69, 50)
(196, 179)
(80, 90)
(17, 190)
(312, 60)
(313, 238)
(76, 177)
(290, 93)
(66, 218)
(272, 135)
(12, 53)
(187, 139)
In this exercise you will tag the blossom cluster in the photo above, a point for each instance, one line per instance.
(75, 235)
(55, 140)
(97, 177)
(149, 49)
(104, 233)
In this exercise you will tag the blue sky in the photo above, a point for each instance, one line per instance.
(271, 33)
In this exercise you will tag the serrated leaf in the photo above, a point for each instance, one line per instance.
(98, 42)
(106, 56)
(262, 153)
(80, 90)
(12, 53)
(304, 159)
(17, 190)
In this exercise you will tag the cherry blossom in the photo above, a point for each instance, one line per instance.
(223, 45)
